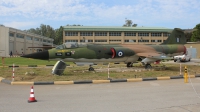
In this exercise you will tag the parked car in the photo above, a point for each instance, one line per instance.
(182, 58)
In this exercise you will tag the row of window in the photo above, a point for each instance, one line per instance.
(100, 33)
(71, 33)
(71, 40)
(156, 34)
(113, 40)
(86, 34)
(156, 40)
(11, 34)
(142, 40)
(86, 40)
(115, 34)
(166, 34)
(143, 34)
(129, 40)
(129, 34)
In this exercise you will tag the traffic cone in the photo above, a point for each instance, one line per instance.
(32, 97)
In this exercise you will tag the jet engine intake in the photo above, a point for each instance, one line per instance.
(59, 67)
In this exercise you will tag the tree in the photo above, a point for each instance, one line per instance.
(48, 31)
(59, 35)
(129, 23)
(196, 33)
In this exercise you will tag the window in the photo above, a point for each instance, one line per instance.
(114, 33)
(143, 34)
(143, 40)
(82, 40)
(71, 33)
(36, 39)
(115, 40)
(90, 40)
(156, 34)
(11, 34)
(156, 40)
(19, 36)
(100, 40)
(126, 40)
(177, 40)
(44, 40)
(71, 40)
(28, 38)
(129, 34)
(86, 40)
(100, 33)
(86, 33)
(166, 34)
(129, 40)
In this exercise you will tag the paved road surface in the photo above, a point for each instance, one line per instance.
(192, 62)
(147, 96)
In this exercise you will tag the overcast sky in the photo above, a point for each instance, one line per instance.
(26, 14)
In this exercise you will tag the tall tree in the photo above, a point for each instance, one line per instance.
(48, 31)
(59, 35)
(196, 33)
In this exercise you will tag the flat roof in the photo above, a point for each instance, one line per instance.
(116, 28)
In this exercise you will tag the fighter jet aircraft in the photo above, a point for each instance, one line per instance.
(81, 53)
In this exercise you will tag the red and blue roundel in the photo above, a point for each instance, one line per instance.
(120, 53)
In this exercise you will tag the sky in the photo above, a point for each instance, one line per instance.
(26, 14)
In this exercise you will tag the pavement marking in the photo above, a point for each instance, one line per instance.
(63, 82)
(134, 80)
(22, 83)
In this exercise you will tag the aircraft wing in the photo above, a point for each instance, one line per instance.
(155, 55)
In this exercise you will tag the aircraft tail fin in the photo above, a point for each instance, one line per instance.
(176, 37)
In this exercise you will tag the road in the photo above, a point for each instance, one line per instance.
(192, 62)
(147, 96)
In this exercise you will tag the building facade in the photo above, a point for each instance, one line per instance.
(21, 42)
(115, 35)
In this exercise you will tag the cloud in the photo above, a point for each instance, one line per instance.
(22, 25)
(143, 12)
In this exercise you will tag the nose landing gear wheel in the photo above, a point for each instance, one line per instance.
(148, 66)
(91, 69)
(129, 64)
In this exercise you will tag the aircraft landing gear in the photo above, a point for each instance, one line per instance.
(91, 68)
(148, 66)
(129, 64)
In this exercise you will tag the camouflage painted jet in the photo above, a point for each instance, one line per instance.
(81, 53)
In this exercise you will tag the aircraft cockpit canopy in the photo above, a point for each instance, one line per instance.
(70, 45)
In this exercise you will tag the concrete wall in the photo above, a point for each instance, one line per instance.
(194, 45)
(4, 42)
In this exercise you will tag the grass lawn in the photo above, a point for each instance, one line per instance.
(25, 61)
(73, 72)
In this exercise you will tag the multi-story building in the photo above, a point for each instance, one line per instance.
(115, 35)
(21, 42)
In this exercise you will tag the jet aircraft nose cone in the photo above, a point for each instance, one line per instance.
(44, 55)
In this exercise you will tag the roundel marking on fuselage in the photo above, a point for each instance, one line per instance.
(120, 53)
